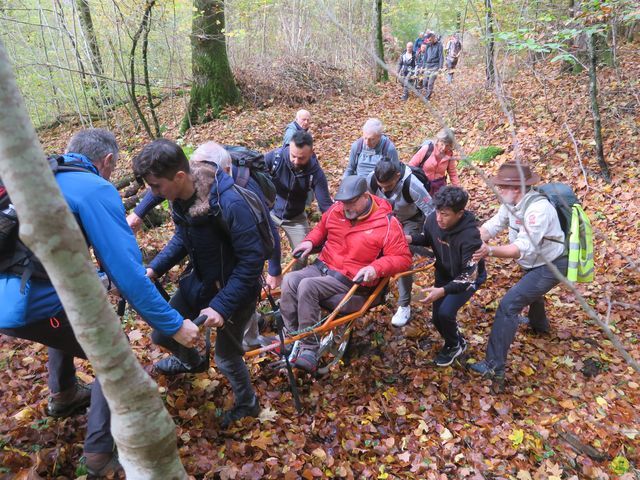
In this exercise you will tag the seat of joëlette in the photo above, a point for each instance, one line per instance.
(356, 302)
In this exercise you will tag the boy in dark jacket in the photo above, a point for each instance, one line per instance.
(216, 229)
(452, 233)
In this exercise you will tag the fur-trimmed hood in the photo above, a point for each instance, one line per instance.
(210, 181)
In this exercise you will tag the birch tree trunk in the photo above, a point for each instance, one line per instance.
(141, 426)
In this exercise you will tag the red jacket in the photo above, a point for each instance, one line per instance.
(377, 240)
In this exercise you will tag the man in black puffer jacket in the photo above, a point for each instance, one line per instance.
(452, 232)
(215, 227)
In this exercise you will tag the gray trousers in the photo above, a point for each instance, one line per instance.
(429, 81)
(530, 290)
(302, 292)
(413, 226)
(295, 229)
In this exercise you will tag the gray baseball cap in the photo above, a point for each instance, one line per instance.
(351, 187)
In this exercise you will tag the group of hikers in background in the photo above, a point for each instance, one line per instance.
(227, 227)
(423, 59)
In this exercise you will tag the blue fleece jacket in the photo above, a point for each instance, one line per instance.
(98, 208)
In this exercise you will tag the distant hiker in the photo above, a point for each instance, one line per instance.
(367, 151)
(418, 43)
(534, 235)
(437, 160)
(431, 61)
(411, 204)
(453, 49)
(406, 66)
(301, 123)
(452, 233)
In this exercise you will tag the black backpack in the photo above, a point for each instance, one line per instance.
(406, 184)
(15, 256)
(251, 164)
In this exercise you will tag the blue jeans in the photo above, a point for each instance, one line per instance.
(63, 348)
(530, 290)
(445, 311)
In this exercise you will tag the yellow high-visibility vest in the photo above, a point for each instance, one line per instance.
(580, 267)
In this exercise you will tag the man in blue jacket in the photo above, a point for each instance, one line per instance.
(35, 312)
(295, 172)
(215, 227)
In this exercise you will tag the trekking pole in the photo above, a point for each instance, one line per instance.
(280, 327)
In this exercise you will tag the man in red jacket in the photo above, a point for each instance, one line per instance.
(359, 238)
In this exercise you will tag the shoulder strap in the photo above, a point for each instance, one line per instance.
(242, 177)
(373, 184)
(406, 190)
(427, 153)
(359, 147)
(277, 160)
(385, 146)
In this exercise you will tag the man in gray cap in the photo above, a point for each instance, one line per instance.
(359, 240)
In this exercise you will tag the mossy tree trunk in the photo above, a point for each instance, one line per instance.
(213, 85)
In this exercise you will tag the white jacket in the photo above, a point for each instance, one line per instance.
(535, 226)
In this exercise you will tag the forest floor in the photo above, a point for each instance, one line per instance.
(571, 405)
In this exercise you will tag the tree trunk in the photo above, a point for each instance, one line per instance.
(213, 84)
(490, 65)
(595, 109)
(381, 74)
(86, 22)
(141, 426)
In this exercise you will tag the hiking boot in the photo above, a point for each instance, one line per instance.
(63, 404)
(173, 366)
(239, 412)
(448, 354)
(401, 317)
(306, 359)
(103, 464)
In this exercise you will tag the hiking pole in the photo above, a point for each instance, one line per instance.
(207, 336)
(280, 327)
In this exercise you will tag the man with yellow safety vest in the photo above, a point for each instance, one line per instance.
(535, 235)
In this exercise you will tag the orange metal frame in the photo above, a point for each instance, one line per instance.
(333, 320)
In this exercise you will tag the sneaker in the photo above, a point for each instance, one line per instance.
(65, 403)
(401, 317)
(448, 354)
(463, 344)
(102, 464)
(173, 366)
(239, 412)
